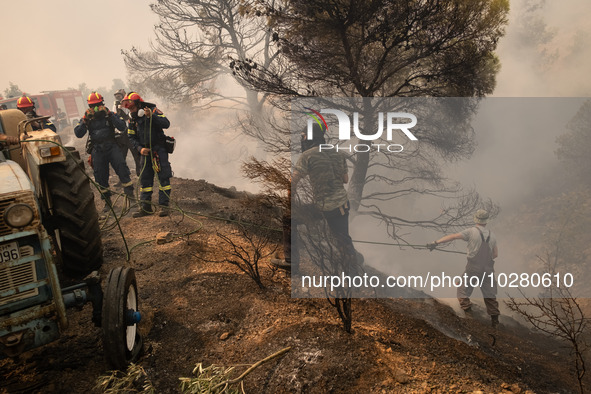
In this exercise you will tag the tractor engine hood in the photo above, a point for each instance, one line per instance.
(13, 178)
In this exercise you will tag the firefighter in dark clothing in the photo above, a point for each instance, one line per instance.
(27, 106)
(122, 138)
(118, 108)
(146, 133)
(101, 124)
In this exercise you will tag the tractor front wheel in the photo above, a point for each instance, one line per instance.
(122, 341)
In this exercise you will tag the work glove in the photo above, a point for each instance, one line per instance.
(431, 246)
(88, 115)
(104, 109)
(147, 112)
(101, 112)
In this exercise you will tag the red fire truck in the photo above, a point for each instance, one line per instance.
(65, 106)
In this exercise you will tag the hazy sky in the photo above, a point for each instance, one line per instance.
(546, 50)
(60, 43)
(56, 44)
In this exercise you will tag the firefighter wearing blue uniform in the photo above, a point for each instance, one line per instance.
(123, 139)
(27, 106)
(100, 124)
(146, 133)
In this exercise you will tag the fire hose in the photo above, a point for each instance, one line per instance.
(409, 245)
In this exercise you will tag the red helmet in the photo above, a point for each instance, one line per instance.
(131, 96)
(94, 98)
(24, 102)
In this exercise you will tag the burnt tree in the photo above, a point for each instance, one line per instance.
(387, 49)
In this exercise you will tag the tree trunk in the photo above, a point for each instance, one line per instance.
(357, 181)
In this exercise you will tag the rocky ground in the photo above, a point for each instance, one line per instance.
(199, 309)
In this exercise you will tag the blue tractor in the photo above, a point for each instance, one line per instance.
(49, 225)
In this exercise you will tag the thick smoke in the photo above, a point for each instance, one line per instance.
(211, 147)
(545, 51)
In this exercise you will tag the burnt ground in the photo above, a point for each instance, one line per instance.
(199, 309)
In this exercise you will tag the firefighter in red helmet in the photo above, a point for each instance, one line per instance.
(27, 106)
(123, 138)
(146, 132)
(100, 123)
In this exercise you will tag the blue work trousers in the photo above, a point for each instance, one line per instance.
(147, 164)
(103, 154)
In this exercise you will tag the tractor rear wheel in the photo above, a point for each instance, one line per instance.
(71, 216)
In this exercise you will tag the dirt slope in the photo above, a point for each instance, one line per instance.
(198, 310)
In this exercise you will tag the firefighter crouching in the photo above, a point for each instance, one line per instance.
(101, 124)
(146, 133)
(27, 106)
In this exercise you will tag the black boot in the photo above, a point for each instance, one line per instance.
(469, 313)
(145, 210)
(128, 190)
(494, 319)
(164, 211)
(281, 263)
(107, 208)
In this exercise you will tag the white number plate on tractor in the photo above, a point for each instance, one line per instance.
(9, 252)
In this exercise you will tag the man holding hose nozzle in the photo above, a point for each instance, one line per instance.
(482, 250)
(146, 133)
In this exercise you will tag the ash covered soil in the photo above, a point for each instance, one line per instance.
(198, 309)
